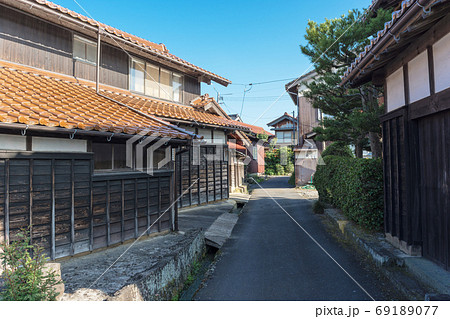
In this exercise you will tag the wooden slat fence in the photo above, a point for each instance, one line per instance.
(69, 210)
(212, 172)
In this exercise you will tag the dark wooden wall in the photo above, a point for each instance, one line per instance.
(397, 217)
(33, 42)
(125, 207)
(69, 210)
(416, 154)
(211, 177)
(192, 89)
(434, 152)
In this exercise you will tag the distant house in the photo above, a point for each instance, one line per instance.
(86, 111)
(257, 142)
(308, 150)
(286, 130)
(410, 57)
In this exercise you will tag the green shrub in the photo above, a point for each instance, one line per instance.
(338, 149)
(292, 179)
(279, 169)
(355, 186)
(23, 272)
(273, 162)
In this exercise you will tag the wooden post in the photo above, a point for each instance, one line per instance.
(198, 176)
(136, 232)
(53, 212)
(30, 202)
(72, 208)
(91, 207)
(122, 218)
(221, 179)
(7, 201)
(108, 214)
(180, 178)
(148, 205)
(190, 177)
(159, 204)
(207, 179)
(214, 173)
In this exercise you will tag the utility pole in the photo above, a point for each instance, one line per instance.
(293, 128)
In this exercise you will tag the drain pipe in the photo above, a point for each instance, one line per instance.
(97, 73)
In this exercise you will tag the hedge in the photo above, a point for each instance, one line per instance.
(338, 149)
(354, 185)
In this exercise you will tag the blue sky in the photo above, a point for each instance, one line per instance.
(244, 41)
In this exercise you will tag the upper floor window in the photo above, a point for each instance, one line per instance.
(109, 156)
(84, 49)
(284, 136)
(154, 81)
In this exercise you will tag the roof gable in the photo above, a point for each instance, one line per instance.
(285, 116)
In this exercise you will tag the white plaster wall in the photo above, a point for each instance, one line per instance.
(418, 78)
(441, 56)
(47, 144)
(13, 142)
(206, 133)
(395, 90)
(219, 137)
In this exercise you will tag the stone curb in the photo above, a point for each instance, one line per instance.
(380, 251)
(387, 258)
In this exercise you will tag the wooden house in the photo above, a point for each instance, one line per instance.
(410, 57)
(286, 130)
(86, 112)
(308, 149)
(257, 142)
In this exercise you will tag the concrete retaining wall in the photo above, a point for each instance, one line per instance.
(166, 278)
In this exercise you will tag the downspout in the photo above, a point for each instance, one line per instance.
(97, 73)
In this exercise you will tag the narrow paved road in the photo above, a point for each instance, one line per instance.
(269, 257)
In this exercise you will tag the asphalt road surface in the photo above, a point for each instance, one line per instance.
(269, 257)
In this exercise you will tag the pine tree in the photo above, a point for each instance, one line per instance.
(354, 112)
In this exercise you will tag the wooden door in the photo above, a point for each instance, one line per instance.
(434, 149)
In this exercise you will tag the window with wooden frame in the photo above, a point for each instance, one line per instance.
(84, 49)
(154, 81)
(109, 156)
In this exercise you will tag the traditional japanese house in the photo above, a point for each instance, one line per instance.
(308, 150)
(410, 57)
(258, 140)
(286, 128)
(90, 151)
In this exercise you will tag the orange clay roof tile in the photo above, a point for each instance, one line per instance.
(170, 110)
(42, 98)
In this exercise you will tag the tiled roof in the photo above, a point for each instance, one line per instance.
(34, 97)
(396, 15)
(257, 129)
(170, 110)
(235, 146)
(204, 100)
(158, 49)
